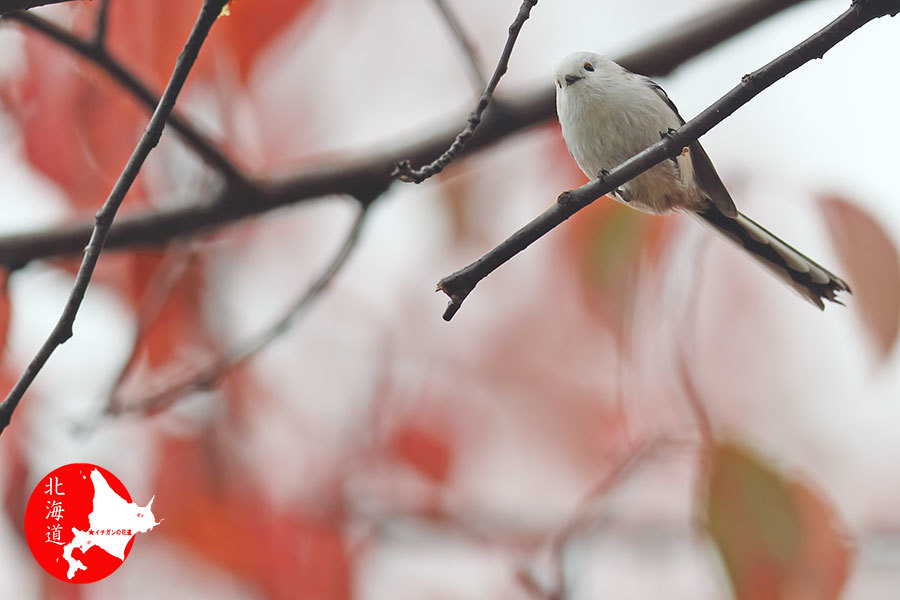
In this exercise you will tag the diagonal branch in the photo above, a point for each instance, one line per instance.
(208, 375)
(458, 285)
(96, 53)
(404, 170)
(623, 467)
(370, 176)
(175, 264)
(11, 6)
(99, 39)
(705, 31)
(104, 219)
(465, 44)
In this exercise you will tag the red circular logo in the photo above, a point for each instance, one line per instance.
(80, 522)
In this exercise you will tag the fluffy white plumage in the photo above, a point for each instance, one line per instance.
(608, 114)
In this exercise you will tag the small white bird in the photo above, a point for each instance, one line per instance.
(608, 114)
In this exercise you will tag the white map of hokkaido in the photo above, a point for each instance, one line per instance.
(111, 513)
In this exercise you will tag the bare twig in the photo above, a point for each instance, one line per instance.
(100, 27)
(175, 263)
(374, 173)
(686, 340)
(11, 6)
(704, 31)
(104, 219)
(207, 376)
(405, 171)
(468, 50)
(97, 54)
(695, 402)
(458, 285)
(622, 467)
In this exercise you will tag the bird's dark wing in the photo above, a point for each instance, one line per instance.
(704, 170)
(710, 182)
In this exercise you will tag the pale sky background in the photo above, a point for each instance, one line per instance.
(829, 127)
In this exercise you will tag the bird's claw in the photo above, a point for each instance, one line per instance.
(667, 134)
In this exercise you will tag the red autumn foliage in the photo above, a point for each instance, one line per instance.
(873, 269)
(84, 156)
(226, 522)
(425, 451)
(778, 538)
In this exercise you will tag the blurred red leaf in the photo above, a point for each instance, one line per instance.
(5, 311)
(424, 450)
(236, 40)
(873, 267)
(222, 517)
(608, 241)
(167, 290)
(16, 469)
(778, 538)
(78, 129)
(13, 453)
(147, 37)
(607, 238)
(170, 309)
(459, 201)
(252, 26)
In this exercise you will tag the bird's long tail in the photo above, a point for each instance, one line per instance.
(810, 279)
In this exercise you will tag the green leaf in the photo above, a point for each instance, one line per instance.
(777, 538)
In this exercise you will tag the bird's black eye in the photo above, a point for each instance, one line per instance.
(588, 67)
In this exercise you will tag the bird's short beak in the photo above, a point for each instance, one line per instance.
(570, 79)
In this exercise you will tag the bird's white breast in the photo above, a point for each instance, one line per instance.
(606, 121)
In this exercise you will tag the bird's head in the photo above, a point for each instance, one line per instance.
(578, 67)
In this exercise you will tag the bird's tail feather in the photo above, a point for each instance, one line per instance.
(810, 279)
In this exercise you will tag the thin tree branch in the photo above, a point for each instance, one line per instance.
(11, 6)
(622, 468)
(207, 376)
(458, 285)
(682, 342)
(707, 30)
(175, 263)
(372, 175)
(97, 54)
(695, 401)
(99, 40)
(468, 50)
(404, 170)
(104, 219)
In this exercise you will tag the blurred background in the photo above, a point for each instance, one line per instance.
(628, 409)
